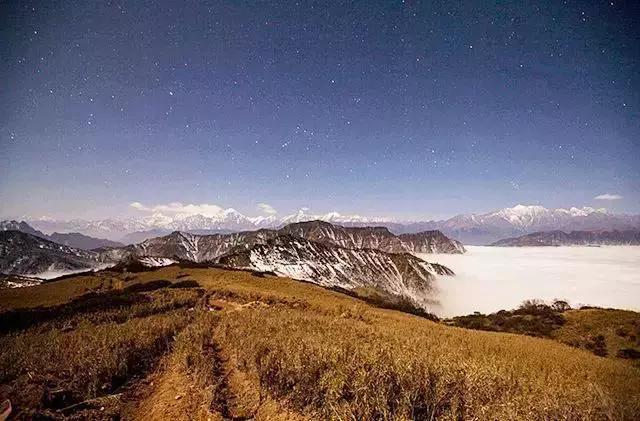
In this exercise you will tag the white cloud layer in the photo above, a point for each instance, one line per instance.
(608, 196)
(177, 208)
(267, 208)
(505, 276)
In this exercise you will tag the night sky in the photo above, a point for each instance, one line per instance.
(402, 109)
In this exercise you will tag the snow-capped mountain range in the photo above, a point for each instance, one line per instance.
(157, 224)
(208, 248)
(468, 228)
(520, 220)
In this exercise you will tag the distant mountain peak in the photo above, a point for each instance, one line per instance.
(22, 226)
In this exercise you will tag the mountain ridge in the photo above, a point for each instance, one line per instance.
(71, 239)
(25, 254)
(201, 248)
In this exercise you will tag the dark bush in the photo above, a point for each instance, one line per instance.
(590, 308)
(187, 283)
(261, 274)
(148, 286)
(597, 345)
(533, 317)
(560, 306)
(629, 353)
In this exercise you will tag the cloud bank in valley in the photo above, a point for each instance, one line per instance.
(489, 279)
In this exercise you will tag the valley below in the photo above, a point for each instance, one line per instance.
(489, 279)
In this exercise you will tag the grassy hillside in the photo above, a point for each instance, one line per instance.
(244, 346)
(605, 332)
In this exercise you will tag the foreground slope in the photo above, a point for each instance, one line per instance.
(243, 346)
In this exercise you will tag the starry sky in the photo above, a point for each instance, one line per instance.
(405, 109)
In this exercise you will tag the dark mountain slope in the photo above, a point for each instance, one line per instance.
(22, 253)
(573, 238)
(73, 239)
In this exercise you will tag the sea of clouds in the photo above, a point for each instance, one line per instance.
(489, 279)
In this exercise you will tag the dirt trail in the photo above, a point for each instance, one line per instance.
(241, 398)
(173, 393)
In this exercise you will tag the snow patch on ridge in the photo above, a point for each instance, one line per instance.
(157, 261)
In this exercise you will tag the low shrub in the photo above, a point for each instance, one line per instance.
(597, 345)
(533, 318)
(382, 299)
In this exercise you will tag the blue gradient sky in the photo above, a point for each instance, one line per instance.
(406, 109)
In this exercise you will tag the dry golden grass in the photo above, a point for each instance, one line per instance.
(58, 356)
(186, 382)
(84, 363)
(370, 366)
(52, 293)
(274, 348)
